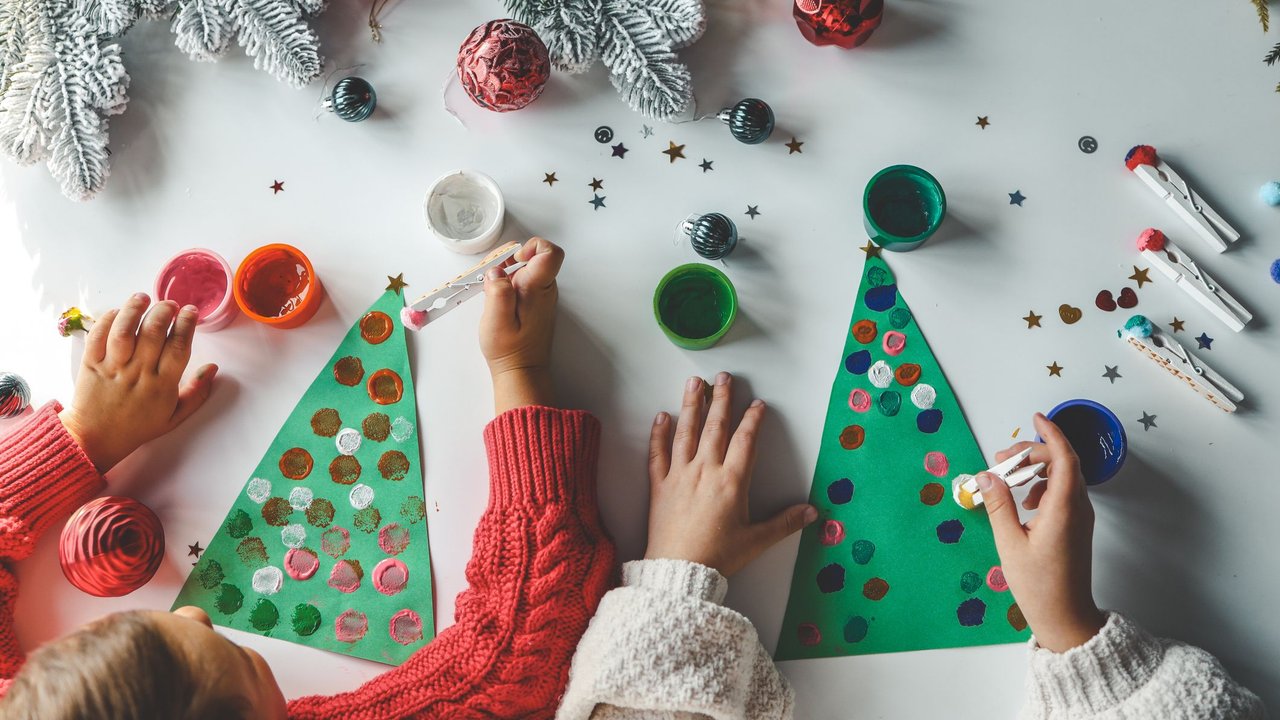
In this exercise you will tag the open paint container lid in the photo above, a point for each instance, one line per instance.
(465, 211)
(201, 278)
(1097, 436)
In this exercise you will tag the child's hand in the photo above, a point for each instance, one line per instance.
(130, 387)
(698, 487)
(1048, 562)
(515, 331)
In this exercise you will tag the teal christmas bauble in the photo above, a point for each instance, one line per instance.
(713, 235)
(352, 99)
(750, 121)
(15, 395)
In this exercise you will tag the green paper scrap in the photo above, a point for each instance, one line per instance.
(893, 563)
(379, 506)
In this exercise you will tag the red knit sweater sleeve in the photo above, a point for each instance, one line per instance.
(539, 566)
(44, 475)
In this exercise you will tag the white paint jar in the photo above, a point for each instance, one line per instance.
(465, 211)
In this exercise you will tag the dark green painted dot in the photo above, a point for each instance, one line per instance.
(877, 276)
(863, 550)
(413, 509)
(264, 615)
(306, 619)
(856, 629)
(899, 317)
(210, 574)
(970, 581)
(239, 524)
(367, 519)
(890, 402)
(229, 599)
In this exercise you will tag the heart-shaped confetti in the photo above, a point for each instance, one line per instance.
(1070, 315)
(1105, 301)
(1128, 298)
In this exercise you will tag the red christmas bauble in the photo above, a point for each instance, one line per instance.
(111, 546)
(844, 23)
(503, 65)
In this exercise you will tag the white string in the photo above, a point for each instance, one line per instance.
(444, 97)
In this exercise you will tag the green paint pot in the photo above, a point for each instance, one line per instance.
(695, 305)
(902, 206)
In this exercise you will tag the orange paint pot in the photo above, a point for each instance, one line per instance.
(277, 286)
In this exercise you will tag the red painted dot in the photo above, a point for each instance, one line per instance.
(832, 532)
(995, 579)
(936, 464)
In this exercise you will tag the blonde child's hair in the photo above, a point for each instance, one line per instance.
(117, 668)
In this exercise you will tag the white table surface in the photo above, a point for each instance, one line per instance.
(1185, 536)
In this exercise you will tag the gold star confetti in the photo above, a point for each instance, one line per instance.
(674, 151)
(550, 179)
(794, 146)
(1033, 320)
(1140, 276)
(1055, 370)
(1177, 324)
(983, 122)
(396, 283)
(871, 249)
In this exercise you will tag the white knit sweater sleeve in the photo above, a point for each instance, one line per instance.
(1124, 673)
(662, 647)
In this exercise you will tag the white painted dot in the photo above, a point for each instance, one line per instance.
(300, 498)
(923, 395)
(348, 441)
(401, 429)
(268, 580)
(293, 535)
(259, 489)
(361, 496)
(880, 374)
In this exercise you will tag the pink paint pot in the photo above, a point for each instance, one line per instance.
(202, 278)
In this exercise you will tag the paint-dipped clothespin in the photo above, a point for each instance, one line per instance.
(964, 488)
(1187, 203)
(1164, 349)
(1178, 266)
(465, 286)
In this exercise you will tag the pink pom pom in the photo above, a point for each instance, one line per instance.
(1141, 155)
(1151, 239)
(413, 319)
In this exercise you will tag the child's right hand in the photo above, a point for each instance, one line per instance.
(130, 388)
(516, 328)
(1048, 561)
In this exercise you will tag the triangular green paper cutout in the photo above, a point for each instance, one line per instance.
(374, 495)
(892, 563)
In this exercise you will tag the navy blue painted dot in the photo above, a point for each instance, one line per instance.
(840, 491)
(971, 612)
(929, 420)
(831, 578)
(949, 531)
(855, 629)
(857, 363)
(882, 298)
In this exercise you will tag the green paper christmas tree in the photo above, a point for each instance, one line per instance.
(893, 563)
(326, 545)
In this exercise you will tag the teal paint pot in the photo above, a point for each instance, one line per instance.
(695, 305)
(902, 207)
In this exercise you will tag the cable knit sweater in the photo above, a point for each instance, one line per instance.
(539, 566)
(662, 648)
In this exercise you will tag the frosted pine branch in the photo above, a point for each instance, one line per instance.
(202, 29)
(278, 39)
(642, 65)
(683, 21)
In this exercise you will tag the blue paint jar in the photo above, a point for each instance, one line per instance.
(1097, 436)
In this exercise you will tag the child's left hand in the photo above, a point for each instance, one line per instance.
(130, 387)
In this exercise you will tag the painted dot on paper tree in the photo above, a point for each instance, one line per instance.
(856, 629)
(881, 298)
(970, 582)
(808, 634)
(949, 531)
(899, 318)
(971, 612)
(229, 599)
(831, 578)
(840, 491)
(1016, 619)
(928, 421)
(863, 551)
(890, 402)
(858, 362)
(932, 493)
(238, 524)
(875, 589)
(305, 619)
(264, 615)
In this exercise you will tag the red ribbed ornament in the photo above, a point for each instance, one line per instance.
(111, 546)
(843, 23)
(503, 65)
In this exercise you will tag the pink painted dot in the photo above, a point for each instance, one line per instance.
(390, 576)
(405, 627)
(393, 538)
(344, 577)
(894, 342)
(936, 464)
(860, 400)
(808, 634)
(350, 626)
(832, 532)
(995, 579)
(301, 563)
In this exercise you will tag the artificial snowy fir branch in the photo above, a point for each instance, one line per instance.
(272, 32)
(569, 28)
(56, 96)
(683, 21)
(641, 63)
(202, 29)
